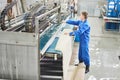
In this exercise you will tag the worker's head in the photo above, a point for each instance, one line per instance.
(83, 15)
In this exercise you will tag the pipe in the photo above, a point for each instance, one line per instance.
(45, 14)
(41, 16)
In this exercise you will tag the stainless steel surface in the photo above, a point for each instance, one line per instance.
(19, 56)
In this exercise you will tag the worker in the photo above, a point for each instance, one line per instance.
(55, 5)
(72, 8)
(84, 34)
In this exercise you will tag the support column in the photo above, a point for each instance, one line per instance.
(23, 4)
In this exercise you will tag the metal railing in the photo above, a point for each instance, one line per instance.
(43, 15)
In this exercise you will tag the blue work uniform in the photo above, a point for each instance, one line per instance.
(84, 35)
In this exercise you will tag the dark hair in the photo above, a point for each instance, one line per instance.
(85, 14)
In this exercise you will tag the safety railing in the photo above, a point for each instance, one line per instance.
(43, 15)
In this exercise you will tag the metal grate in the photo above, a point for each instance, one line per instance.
(51, 69)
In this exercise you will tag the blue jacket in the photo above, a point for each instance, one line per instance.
(83, 32)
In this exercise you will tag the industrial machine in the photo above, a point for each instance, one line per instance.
(30, 41)
(112, 16)
(25, 22)
(113, 10)
(4, 13)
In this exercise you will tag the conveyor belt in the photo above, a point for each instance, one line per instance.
(48, 34)
(51, 49)
(52, 69)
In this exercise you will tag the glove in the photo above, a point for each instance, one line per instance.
(71, 34)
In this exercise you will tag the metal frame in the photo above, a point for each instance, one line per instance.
(37, 27)
(20, 54)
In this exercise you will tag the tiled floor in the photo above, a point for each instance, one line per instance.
(104, 51)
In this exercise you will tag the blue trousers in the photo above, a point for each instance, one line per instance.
(83, 54)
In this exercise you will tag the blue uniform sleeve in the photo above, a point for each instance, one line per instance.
(73, 22)
(81, 30)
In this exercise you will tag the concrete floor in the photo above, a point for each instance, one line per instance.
(104, 52)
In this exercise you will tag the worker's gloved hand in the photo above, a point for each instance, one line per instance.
(71, 34)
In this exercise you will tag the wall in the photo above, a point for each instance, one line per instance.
(91, 6)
